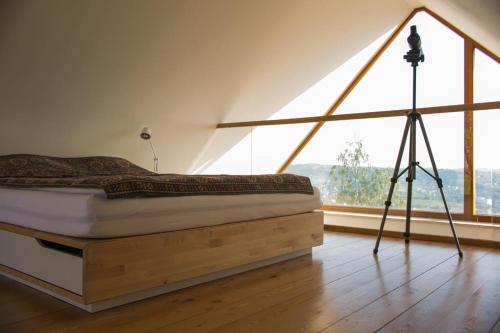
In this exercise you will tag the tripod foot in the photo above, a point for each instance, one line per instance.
(407, 241)
(375, 251)
(460, 254)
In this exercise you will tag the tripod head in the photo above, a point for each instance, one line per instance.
(415, 55)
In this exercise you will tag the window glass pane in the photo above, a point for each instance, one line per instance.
(388, 84)
(319, 98)
(446, 137)
(273, 144)
(486, 137)
(236, 160)
(262, 150)
(351, 162)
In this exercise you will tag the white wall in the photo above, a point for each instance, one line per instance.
(83, 77)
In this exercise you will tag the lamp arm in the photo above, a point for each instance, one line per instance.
(155, 158)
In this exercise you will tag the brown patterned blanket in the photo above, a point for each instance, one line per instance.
(120, 178)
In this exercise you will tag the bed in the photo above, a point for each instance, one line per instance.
(99, 241)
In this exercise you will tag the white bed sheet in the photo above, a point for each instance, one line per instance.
(87, 212)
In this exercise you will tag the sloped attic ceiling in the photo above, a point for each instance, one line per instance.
(83, 77)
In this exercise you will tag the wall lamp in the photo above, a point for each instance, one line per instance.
(146, 135)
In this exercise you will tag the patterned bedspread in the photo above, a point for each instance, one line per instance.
(120, 178)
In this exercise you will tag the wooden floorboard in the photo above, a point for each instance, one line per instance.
(433, 310)
(370, 318)
(341, 287)
(316, 309)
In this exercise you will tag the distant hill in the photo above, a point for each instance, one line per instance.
(425, 194)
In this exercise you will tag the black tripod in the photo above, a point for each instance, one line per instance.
(414, 56)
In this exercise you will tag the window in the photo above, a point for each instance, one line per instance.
(352, 161)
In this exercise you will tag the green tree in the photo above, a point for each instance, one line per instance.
(354, 182)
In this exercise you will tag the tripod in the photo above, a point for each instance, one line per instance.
(414, 56)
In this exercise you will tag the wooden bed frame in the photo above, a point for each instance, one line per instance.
(96, 274)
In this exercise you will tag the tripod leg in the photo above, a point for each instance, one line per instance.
(408, 209)
(411, 176)
(440, 184)
(394, 180)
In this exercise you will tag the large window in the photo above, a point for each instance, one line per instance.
(352, 161)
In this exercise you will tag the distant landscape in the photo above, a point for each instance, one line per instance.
(368, 186)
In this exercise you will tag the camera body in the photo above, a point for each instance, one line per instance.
(415, 55)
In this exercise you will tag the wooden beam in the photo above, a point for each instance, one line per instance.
(366, 115)
(348, 89)
(469, 178)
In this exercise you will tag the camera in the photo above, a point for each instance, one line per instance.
(415, 55)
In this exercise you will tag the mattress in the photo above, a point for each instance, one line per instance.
(87, 213)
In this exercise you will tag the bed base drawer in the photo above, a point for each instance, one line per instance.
(43, 260)
(96, 274)
(137, 296)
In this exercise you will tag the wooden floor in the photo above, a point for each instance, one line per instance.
(342, 287)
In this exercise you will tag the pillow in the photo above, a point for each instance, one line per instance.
(37, 166)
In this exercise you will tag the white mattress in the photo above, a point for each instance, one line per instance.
(87, 212)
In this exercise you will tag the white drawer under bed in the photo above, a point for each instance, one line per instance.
(47, 261)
